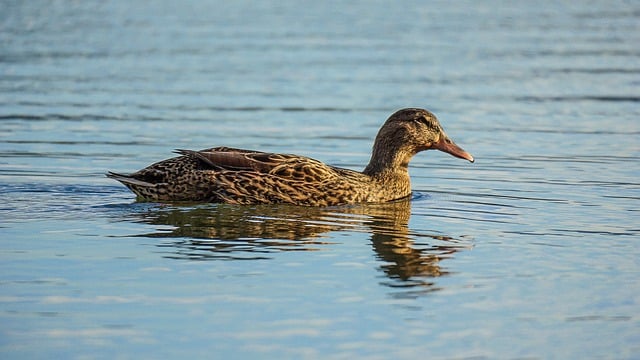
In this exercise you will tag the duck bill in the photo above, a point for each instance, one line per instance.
(448, 146)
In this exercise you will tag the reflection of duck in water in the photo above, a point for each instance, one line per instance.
(238, 176)
(211, 232)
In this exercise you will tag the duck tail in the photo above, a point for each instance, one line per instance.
(128, 179)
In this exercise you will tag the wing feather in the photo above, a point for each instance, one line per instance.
(281, 165)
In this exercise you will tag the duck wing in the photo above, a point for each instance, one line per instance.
(289, 166)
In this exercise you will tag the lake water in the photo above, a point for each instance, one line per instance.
(532, 252)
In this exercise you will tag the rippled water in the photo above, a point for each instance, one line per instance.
(531, 252)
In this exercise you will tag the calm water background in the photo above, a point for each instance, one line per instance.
(531, 252)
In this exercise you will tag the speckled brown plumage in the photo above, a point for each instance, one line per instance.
(238, 176)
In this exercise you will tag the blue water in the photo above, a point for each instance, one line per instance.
(531, 252)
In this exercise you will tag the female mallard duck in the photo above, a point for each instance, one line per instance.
(228, 175)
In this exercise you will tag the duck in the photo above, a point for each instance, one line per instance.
(238, 176)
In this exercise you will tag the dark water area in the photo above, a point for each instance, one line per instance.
(531, 252)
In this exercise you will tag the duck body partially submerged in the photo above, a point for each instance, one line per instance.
(238, 176)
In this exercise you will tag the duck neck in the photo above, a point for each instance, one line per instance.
(390, 168)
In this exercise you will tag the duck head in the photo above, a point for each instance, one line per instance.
(407, 132)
